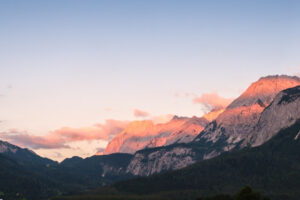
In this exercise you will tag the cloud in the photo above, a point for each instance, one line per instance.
(23, 139)
(162, 118)
(212, 101)
(140, 113)
(60, 137)
(112, 127)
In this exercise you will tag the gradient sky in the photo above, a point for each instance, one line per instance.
(77, 63)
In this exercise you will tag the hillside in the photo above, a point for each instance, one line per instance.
(273, 168)
(24, 174)
(17, 182)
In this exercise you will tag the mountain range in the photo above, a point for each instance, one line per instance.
(254, 140)
(235, 128)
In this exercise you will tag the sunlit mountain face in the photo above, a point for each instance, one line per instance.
(145, 134)
(237, 127)
(238, 119)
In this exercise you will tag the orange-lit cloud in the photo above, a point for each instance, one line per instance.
(212, 101)
(140, 113)
(59, 138)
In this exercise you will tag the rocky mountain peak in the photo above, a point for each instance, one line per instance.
(265, 90)
(239, 119)
(176, 117)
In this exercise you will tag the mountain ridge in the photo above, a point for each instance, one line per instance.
(227, 132)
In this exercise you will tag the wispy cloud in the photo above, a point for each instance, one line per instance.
(24, 139)
(61, 137)
(140, 113)
(212, 101)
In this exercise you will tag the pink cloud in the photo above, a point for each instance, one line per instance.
(112, 127)
(60, 137)
(212, 100)
(140, 113)
(23, 139)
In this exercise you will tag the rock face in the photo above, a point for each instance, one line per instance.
(239, 119)
(135, 136)
(242, 123)
(183, 133)
(212, 115)
(147, 163)
(282, 113)
(145, 134)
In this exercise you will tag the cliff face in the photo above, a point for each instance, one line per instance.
(145, 163)
(282, 113)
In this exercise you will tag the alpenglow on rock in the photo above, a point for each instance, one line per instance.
(145, 134)
(241, 116)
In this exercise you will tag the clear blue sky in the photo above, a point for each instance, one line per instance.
(76, 63)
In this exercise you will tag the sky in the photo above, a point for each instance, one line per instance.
(84, 69)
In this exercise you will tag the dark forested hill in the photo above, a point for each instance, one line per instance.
(24, 174)
(17, 182)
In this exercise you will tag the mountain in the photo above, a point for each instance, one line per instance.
(263, 122)
(242, 115)
(24, 156)
(234, 128)
(183, 133)
(24, 174)
(273, 168)
(19, 182)
(213, 114)
(145, 134)
(281, 113)
(93, 171)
